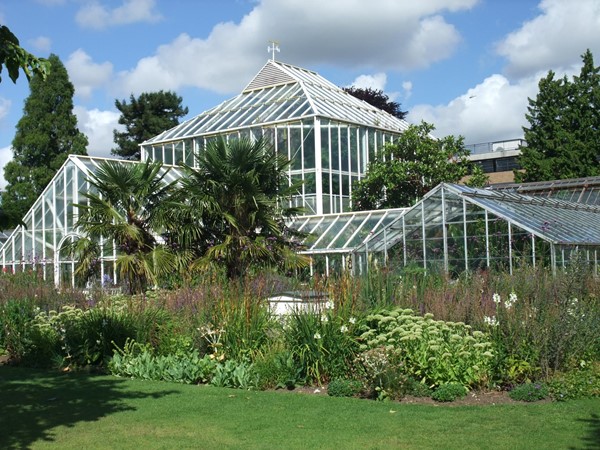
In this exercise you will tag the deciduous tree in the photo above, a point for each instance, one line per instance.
(404, 171)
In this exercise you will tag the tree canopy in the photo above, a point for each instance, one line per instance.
(563, 138)
(145, 117)
(15, 58)
(378, 99)
(402, 172)
(45, 135)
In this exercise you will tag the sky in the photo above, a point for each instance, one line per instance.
(466, 66)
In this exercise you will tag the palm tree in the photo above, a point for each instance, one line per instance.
(126, 212)
(232, 208)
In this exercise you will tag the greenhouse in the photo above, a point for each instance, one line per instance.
(328, 134)
(48, 225)
(455, 228)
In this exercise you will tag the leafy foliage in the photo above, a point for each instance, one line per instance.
(137, 360)
(15, 58)
(562, 137)
(378, 99)
(579, 382)
(409, 168)
(45, 135)
(126, 209)
(145, 117)
(231, 209)
(434, 352)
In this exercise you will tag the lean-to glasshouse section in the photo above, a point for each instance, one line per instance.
(457, 228)
(578, 190)
(39, 244)
(328, 134)
(330, 239)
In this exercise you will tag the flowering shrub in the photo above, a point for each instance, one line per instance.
(433, 351)
(381, 373)
(529, 392)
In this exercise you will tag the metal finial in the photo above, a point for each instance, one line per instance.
(273, 47)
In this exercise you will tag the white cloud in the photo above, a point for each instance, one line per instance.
(494, 110)
(6, 155)
(87, 75)
(555, 38)
(407, 87)
(41, 44)
(5, 105)
(375, 81)
(382, 34)
(95, 15)
(98, 126)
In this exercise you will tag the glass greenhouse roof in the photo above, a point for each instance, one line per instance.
(556, 221)
(282, 92)
(578, 190)
(341, 233)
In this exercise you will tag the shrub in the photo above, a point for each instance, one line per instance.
(343, 387)
(582, 382)
(277, 369)
(529, 392)
(417, 389)
(432, 351)
(448, 392)
(381, 373)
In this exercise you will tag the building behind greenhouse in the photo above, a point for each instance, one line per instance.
(329, 136)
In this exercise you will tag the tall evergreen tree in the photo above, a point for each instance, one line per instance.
(145, 117)
(45, 135)
(563, 139)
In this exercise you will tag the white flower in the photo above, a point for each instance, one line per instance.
(324, 318)
(328, 304)
(343, 328)
(352, 320)
(317, 336)
(512, 299)
(491, 321)
(496, 298)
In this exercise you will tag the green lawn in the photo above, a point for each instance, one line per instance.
(49, 410)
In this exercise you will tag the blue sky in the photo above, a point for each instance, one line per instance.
(467, 66)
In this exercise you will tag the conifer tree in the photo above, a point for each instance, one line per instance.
(145, 117)
(45, 135)
(563, 139)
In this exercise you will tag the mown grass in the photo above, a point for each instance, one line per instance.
(51, 410)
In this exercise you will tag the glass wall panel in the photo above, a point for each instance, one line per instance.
(308, 146)
(178, 151)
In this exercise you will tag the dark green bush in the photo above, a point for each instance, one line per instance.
(343, 387)
(417, 389)
(449, 392)
(529, 392)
